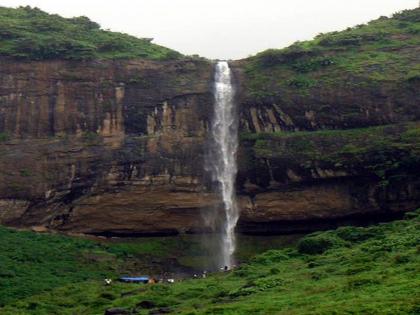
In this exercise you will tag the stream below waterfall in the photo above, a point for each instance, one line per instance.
(183, 256)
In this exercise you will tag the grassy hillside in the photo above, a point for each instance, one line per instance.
(382, 51)
(29, 33)
(32, 263)
(350, 270)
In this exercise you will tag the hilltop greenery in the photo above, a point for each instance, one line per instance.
(373, 270)
(384, 50)
(29, 33)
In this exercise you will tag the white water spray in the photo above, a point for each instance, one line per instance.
(222, 157)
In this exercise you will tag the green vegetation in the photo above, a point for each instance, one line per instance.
(4, 137)
(373, 270)
(25, 173)
(29, 33)
(32, 263)
(91, 138)
(384, 50)
(383, 150)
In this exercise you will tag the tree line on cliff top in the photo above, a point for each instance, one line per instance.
(30, 33)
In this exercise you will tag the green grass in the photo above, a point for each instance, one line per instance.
(373, 270)
(32, 263)
(29, 33)
(382, 51)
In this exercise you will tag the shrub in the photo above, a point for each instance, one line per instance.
(413, 76)
(4, 137)
(411, 215)
(350, 39)
(318, 244)
(244, 291)
(312, 64)
(300, 82)
(272, 57)
(346, 40)
(408, 15)
(241, 272)
(270, 257)
(401, 259)
(107, 296)
(90, 136)
(25, 173)
(354, 234)
(360, 281)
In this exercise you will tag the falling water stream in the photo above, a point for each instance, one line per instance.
(224, 131)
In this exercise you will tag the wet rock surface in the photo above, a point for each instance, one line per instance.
(116, 148)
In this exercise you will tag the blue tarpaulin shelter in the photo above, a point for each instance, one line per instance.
(142, 279)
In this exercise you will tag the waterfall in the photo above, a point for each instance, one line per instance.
(222, 157)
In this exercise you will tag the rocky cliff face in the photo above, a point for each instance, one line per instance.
(104, 147)
(313, 157)
(330, 128)
(350, 102)
(116, 148)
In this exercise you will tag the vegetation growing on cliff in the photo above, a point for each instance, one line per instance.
(384, 50)
(331, 144)
(372, 270)
(29, 33)
(388, 152)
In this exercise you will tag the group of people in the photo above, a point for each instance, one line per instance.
(203, 275)
(153, 280)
